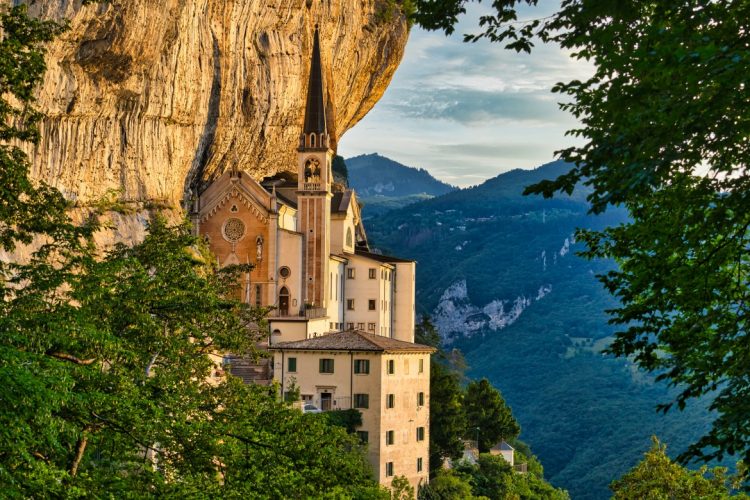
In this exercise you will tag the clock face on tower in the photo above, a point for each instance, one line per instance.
(312, 170)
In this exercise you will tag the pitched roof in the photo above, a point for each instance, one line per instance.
(340, 201)
(352, 340)
(315, 113)
(379, 257)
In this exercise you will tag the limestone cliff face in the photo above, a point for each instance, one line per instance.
(148, 96)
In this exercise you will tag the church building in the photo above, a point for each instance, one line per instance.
(342, 324)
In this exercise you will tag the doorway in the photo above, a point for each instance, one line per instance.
(325, 401)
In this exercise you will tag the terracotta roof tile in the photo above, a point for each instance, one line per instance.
(351, 340)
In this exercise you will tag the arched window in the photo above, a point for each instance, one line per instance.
(284, 301)
(349, 242)
(312, 140)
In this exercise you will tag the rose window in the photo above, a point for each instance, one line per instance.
(234, 229)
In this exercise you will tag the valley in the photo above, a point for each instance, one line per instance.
(499, 275)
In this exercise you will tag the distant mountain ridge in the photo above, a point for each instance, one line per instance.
(383, 184)
(499, 274)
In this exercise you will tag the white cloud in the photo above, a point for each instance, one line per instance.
(467, 112)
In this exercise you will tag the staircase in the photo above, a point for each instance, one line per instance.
(251, 371)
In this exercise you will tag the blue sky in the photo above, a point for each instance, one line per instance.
(467, 112)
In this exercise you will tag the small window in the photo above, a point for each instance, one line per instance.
(360, 326)
(390, 401)
(258, 294)
(285, 272)
(362, 366)
(389, 469)
(390, 437)
(350, 326)
(361, 400)
(421, 366)
(371, 327)
(330, 325)
(420, 433)
(350, 273)
(350, 304)
(419, 464)
(371, 304)
(372, 273)
(292, 364)
(391, 367)
(420, 399)
(363, 436)
(326, 365)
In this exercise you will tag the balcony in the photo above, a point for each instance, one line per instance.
(309, 313)
(311, 186)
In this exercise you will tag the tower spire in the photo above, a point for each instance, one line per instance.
(315, 112)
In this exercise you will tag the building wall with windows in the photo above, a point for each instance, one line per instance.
(405, 417)
(404, 297)
(390, 389)
(369, 295)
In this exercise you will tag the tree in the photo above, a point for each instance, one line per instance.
(447, 485)
(487, 416)
(447, 418)
(664, 129)
(107, 383)
(493, 478)
(401, 489)
(656, 477)
(426, 333)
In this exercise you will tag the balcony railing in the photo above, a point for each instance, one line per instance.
(330, 404)
(311, 186)
(309, 313)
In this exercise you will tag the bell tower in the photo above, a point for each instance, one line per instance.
(314, 157)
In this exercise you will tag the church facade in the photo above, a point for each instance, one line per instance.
(337, 306)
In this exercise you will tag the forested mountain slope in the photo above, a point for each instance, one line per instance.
(383, 184)
(498, 273)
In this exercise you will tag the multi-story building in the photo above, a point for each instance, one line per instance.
(338, 307)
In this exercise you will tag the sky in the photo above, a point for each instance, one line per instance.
(467, 112)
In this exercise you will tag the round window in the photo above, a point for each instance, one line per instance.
(234, 229)
(285, 272)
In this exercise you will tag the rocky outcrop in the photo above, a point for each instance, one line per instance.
(148, 97)
(455, 316)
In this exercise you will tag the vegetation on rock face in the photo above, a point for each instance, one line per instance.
(106, 384)
(679, 166)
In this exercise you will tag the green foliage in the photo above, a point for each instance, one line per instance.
(658, 477)
(425, 333)
(107, 387)
(678, 165)
(401, 489)
(487, 415)
(340, 172)
(292, 394)
(587, 416)
(447, 417)
(447, 485)
(348, 419)
(492, 477)
(386, 10)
